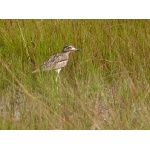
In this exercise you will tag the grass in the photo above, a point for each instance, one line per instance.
(106, 86)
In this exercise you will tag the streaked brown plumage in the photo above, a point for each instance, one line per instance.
(58, 61)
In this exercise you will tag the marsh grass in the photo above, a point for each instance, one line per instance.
(105, 86)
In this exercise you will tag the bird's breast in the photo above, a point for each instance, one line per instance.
(60, 64)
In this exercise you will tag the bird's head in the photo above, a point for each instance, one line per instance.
(69, 48)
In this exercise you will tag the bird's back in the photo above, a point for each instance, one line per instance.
(54, 62)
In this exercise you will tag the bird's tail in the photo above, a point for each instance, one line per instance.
(35, 71)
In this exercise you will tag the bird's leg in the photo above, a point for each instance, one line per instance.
(57, 77)
(57, 82)
(58, 71)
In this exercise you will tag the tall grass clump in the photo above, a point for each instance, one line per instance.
(105, 86)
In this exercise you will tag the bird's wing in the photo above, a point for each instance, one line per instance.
(52, 61)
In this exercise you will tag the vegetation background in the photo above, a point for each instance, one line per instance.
(105, 86)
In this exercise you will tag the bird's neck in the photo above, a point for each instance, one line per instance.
(67, 53)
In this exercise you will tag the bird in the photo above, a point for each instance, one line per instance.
(58, 61)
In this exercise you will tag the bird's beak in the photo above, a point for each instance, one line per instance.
(75, 49)
(78, 50)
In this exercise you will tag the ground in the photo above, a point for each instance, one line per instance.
(106, 86)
